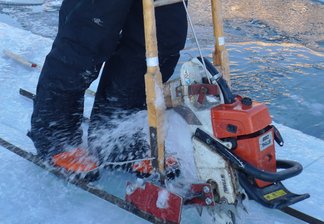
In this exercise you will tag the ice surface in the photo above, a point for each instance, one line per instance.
(8, 20)
(22, 2)
(31, 195)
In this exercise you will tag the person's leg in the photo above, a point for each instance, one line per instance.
(122, 84)
(88, 34)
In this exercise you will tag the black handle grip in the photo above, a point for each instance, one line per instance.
(291, 168)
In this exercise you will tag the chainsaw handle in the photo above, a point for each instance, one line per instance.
(291, 169)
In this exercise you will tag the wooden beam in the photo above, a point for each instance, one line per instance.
(154, 89)
(220, 55)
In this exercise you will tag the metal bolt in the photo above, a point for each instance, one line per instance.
(208, 141)
(206, 189)
(208, 201)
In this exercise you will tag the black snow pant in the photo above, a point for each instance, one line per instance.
(92, 32)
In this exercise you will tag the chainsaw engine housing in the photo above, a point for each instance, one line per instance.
(248, 124)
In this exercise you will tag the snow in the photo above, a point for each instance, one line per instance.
(159, 98)
(162, 200)
(30, 195)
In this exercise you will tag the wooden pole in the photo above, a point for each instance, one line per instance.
(220, 55)
(154, 89)
(21, 60)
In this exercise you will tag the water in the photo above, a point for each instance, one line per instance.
(264, 66)
(289, 78)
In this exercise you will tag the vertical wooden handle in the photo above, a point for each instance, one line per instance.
(154, 88)
(220, 55)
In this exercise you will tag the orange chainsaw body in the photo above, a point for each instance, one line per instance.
(249, 126)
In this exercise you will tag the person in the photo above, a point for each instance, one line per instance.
(92, 32)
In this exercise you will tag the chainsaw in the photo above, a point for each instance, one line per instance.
(234, 147)
(232, 136)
